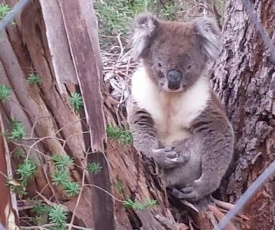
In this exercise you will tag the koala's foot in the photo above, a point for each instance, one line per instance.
(168, 157)
(192, 192)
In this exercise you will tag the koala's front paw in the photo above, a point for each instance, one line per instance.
(193, 192)
(168, 158)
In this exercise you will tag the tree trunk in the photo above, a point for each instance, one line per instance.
(244, 79)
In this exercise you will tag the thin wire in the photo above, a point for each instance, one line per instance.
(2, 227)
(270, 170)
(260, 28)
(17, 9)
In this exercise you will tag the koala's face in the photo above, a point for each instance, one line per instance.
(175, 57)
(175, 53)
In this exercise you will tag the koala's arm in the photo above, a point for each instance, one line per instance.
(145, 139)
(142, 129)
(215, 135)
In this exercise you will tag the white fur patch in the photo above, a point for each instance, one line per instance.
(172, 112)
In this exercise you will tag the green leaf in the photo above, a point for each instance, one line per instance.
(76, 101)
(18, 130)
(18, 153)
(72, 188)
(41, 209)
(94, 168)
(58, 216)
(62, 162)
(33, 79)
(16, 186)
(60, 178)
(26, 170)
(5, 93)
(123, 136)
(4, 9)
(139, 206)
(119, 186)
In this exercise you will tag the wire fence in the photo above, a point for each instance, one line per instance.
(256, 22)
(16, 10)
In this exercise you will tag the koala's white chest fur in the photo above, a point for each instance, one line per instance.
(172, 112)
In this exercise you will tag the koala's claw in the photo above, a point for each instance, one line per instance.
(187, 189)
(167, 157)
(186, 194)
(191, 192)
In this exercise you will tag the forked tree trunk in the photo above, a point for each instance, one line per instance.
(244, 78)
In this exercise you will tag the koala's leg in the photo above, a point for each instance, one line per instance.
(145, 139)
(214, 134)
(185, 173)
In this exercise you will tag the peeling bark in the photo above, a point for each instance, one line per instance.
(8, 204)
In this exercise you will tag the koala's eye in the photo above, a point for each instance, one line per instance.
(159, 65)
(189, 66)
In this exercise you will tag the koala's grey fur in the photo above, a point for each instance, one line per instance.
(174, 116)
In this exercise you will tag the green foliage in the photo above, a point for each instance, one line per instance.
(60, 176)
(170, 10)
(18, 153)
(18, 130)
(5, 93)
(62, 162)
(15, 186)
(116, 133)
(26, 170)
(33, 79)
(94, 167)
(76, 101)
(119, 186)
(115, 17)
(71, 188)
(4, 9)
(139, 206)
(41, 209)
(58, 217)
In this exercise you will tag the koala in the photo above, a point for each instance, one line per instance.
(174, 115)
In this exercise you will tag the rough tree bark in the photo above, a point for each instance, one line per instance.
(245, 80)
(8, 204)
(44, 108)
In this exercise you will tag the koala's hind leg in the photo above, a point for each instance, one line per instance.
(216, 137)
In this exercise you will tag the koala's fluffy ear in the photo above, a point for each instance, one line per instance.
(145, 26)
(209, 34)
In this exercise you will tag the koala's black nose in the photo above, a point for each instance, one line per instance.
(174, 79)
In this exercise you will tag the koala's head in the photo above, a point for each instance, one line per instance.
(175, 53)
